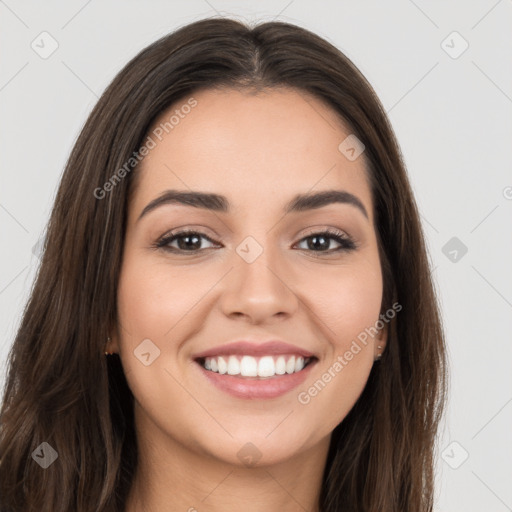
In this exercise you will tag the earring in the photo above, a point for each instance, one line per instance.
(379, 355)
(108, 353)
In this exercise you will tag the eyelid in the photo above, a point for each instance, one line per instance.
(191, 228)
(324, 229)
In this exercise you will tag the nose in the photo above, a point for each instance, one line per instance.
(258, 292)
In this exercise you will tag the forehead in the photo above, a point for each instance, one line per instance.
(253, 148)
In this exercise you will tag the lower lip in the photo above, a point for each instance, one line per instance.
(255, 388)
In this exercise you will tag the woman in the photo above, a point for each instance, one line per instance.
(234, 306)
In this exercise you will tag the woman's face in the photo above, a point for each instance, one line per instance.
(257, 270)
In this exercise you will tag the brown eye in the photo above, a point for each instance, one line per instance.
(322, 242)
(185, 241)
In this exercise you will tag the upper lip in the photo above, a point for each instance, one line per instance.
(272, 347)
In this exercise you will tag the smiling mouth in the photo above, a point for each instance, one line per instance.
(249, 367)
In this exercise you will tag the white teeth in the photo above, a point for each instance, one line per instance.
(290, 365)
(223, 365)
(280, 365)
(233, 366)
(266, 367)
(248, 366)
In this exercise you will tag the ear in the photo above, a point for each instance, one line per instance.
(380, 341)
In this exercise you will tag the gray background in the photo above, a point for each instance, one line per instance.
(452, 117)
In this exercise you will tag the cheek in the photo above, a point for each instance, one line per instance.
(347, 306)
(346, 303)
(152, 298)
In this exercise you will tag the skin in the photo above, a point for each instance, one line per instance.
(258, 150)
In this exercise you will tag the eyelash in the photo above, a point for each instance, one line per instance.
(346, 243)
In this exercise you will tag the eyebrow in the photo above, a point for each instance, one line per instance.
(219, 203)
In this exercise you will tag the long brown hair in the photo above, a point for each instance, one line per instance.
(62, 390)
